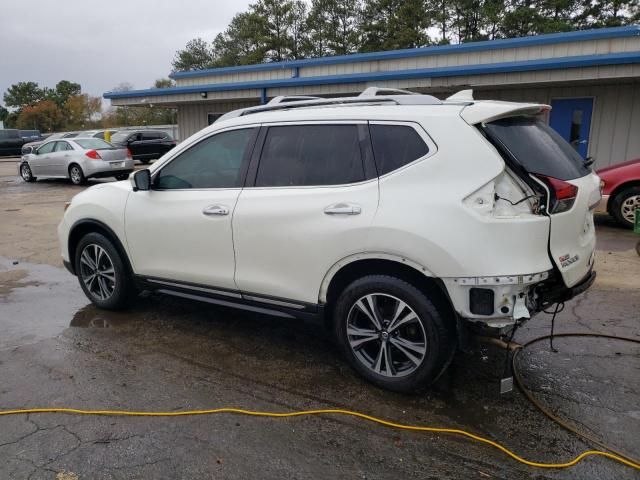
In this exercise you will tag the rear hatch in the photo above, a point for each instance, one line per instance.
(569, 188)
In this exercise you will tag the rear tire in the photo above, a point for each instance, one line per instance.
(624, 204)
(102, 273)
(392, 333)
(76, 175)
(26, 174)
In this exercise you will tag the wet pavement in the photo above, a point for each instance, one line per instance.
(167, 354)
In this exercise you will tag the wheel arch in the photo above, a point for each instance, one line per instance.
(85, 226)
(350, 268)
(620, 188)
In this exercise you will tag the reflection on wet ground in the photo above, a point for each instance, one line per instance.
(166, 353)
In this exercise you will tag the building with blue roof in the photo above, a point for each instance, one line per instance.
(590, 78)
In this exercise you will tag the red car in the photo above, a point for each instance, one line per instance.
(621, 191)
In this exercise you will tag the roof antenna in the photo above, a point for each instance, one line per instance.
(462, 96)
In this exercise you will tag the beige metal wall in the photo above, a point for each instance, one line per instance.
(615, 122)
(193, 117)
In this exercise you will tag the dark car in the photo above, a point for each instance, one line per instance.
(10, 142)
(31, 135)
(145, 145)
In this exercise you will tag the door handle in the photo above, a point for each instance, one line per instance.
(216, 210)
(343, 209)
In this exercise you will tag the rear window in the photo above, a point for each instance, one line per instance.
(93, 143)
(537, 147)
(120, 137)
(395, 146)
(302, 155)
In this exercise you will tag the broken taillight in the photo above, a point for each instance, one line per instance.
(563, 194)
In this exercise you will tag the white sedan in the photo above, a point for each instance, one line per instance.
(77, 159)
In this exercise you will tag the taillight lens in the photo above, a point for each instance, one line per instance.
(129, 155)
(93, 154)
(563, 194)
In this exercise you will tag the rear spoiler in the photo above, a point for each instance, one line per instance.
(490, 110)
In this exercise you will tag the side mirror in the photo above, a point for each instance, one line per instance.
(141, 180)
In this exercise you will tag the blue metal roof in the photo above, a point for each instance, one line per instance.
(502, 67)
(614, 32)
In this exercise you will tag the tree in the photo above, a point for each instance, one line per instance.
(44, 115)
(278, 19)
(163, 83)
(82, 110)
(4, 113)
(197, 55)
(394, 24)
(23, 94)
(333, 27)
(608, 13)
(64, 89)
(243, 42)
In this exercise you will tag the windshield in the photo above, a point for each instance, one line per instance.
(537, 147)
(120, 137)
(93, 143)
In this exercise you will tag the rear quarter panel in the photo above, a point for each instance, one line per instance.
(421, 212)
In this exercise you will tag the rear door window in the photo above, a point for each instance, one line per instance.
(537, 147)
(395, 146)
(304, 155)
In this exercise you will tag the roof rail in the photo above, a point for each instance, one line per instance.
(403, 99)
(376, 91)
(290, 98)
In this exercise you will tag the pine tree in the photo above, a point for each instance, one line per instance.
(395, 24)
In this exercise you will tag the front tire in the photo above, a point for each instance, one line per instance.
(624, 205)
(76, 175)
(102, 273)
(122, 176)
(26, 174)
(392, 333)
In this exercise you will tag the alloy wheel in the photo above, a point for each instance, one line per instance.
(97, 272)
(386, 335)
(628, 208)
(25, 172)
(75, 174)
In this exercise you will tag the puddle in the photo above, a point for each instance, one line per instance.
(36, 302)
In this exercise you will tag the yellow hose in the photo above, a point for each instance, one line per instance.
(416, 428)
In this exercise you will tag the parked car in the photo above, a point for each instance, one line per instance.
(402, 220)
(30, 147)
(10, 142)
(621, 191)
(31, 135)
(77, 159)
(96, 133)
(145, 145)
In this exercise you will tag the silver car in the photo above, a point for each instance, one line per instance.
(77, 159)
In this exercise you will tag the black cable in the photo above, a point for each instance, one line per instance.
(559, 308)
(498, 197)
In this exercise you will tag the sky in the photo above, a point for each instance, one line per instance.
(100, 44)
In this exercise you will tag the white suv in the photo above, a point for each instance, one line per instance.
(402, 220)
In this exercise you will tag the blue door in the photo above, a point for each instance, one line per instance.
(571, 118)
